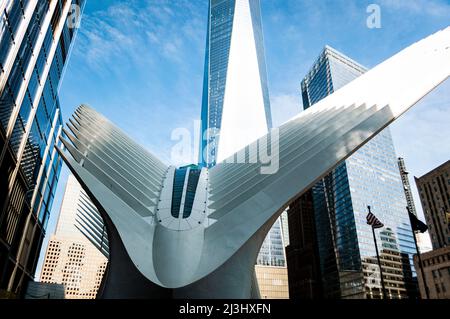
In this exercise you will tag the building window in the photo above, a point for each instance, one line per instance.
(178, 186)
(194, 176)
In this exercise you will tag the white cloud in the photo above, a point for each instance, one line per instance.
(284, 107)
(423, 134)
(135, 30)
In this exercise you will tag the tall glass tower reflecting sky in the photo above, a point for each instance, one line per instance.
(369, 177)
(235, 93)
(35, 40)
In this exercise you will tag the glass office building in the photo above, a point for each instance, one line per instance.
(242, 20)
(235, 78)
(35, 39)
(369, 177)
(272, 250)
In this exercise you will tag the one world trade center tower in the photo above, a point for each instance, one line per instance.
(236, 107)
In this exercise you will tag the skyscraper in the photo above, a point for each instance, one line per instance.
(77, 253)
(434, 191)
(406, 186)
(285, 228)
(235, 93)
(369, 177)
(423, 239)
(272, 250)
(302, 252)
(35, 39)
(236, 107)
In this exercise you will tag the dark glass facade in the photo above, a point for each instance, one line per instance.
(369, 177)
(34, 43)
(178, 186)
(302, 252)
(192, 172)
(194, 176)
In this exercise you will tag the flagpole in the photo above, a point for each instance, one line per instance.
(427, 291)
(379, 261)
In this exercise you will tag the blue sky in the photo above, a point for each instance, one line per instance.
(140, 63)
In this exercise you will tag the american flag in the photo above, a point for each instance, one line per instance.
(373, 221)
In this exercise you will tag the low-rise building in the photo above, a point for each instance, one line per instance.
(436, 267)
